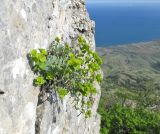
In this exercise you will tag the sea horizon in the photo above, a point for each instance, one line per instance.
(123, 24)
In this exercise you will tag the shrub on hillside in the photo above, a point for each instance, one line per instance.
(126, 120)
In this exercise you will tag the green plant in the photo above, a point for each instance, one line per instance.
(67, 69)
(126, 120)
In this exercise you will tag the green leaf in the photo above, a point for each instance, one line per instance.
(41, 66)
(39, 81)
(50, 76)
(43, 51)
(81, 39)
(89, 103)
(57, 39)
(88, 114)
(99, 77)
(62, 92)
(33, 53)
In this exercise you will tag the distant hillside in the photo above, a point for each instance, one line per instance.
(134, 67)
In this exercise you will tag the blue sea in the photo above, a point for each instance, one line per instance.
(125, 24)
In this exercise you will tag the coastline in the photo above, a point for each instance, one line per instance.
(129, 44)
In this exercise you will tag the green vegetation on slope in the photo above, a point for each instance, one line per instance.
(130, 89)
(124, 120)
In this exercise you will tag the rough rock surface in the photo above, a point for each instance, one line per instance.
(28, 24)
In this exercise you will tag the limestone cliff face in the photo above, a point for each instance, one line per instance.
(28, 24)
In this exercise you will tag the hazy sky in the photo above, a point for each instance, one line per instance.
(123, 1)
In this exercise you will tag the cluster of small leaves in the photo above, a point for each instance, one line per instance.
(67, 69)
(126, 120)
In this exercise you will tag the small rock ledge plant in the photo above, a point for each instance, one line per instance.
(68, 70)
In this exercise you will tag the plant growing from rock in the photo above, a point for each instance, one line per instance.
(68, 70)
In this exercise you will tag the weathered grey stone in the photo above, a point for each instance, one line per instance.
(28, 24)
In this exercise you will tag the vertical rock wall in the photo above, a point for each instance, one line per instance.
(28, 24)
